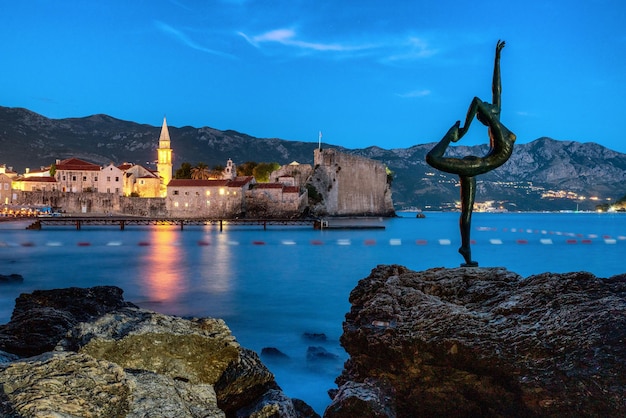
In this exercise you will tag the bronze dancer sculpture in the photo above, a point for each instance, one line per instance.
(467, 168)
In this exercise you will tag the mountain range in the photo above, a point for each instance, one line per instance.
(544, 174)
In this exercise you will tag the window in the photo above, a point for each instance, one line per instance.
(6, 186)
(73, 178)
(95, 178)
(175, 204)
(117, 178)
(63, 178)
(197, 193)
(176, 194)
(141, 182)
(208, 193)
(84, 178)
(108, 178)
(222, 191)
(186, 193)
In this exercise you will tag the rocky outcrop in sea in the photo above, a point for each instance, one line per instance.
(483, 342)
(88, 353)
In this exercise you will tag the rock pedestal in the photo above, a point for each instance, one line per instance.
(472, 342)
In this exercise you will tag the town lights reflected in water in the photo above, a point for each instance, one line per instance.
(161, 266)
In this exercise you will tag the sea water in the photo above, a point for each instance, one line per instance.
(275, 286)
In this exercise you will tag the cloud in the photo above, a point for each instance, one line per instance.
(288, 37)
(410, 49)
(414, 93)
(185, 40)
(386, 50)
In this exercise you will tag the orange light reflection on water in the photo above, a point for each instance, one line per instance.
(163, 281)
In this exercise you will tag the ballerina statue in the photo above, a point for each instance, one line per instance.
(467, 168)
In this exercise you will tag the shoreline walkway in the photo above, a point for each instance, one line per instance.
(79, 221)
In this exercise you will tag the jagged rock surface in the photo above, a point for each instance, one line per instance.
(40, 319)
(484, 342)
(113, 359)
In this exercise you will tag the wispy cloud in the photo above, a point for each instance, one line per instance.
(415, 94)
(185, 40)
(412, 48)
(289, 37)
(386, 49)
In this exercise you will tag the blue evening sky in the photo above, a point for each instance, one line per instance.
(364, 72)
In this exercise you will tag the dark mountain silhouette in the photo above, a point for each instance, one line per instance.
(28, 139)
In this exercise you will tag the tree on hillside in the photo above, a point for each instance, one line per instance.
(184, 172)
(246, 169)
(217, 171)
(263, 170)
(201, 172)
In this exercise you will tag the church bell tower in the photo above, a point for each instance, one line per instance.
(164, 160)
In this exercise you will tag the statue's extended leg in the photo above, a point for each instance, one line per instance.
(435, 156)
(468, 192)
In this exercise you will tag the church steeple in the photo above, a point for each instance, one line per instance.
(164, 160)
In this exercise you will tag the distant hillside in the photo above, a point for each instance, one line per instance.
(30, 140)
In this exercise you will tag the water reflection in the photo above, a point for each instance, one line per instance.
(162, 276)
(218, 273)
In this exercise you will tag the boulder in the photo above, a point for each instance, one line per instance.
(117, 360)
(483, 342)
(40, 319)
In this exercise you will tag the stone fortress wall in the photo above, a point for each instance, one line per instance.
(350, 185)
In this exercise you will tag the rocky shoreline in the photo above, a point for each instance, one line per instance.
(88, 353)
(460, 342)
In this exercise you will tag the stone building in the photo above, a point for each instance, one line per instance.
(111, 180)
(74, 175)
(140, 181)
(5, 189)
(275, 200)
(164, 158)
(31, 184)
(207, 198)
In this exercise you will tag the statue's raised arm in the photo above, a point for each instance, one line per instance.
(496, 87)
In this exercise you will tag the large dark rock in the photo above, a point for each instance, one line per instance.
(485, 342)
(40, 319)
(111, 358)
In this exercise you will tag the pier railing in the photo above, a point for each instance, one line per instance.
(122, 222)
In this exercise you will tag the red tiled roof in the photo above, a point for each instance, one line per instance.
(197, 183)
(36, 179)
(76, 165)
(240, 181)
(124, 166)
(291, 189)
(269, 185)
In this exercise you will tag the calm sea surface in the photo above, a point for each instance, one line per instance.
(273, 286)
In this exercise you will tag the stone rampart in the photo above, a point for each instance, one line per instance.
(93, 203)
(350, 185)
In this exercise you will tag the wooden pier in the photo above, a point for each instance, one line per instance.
(122, 222)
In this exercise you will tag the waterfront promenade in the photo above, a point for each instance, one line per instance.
(122, 222)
